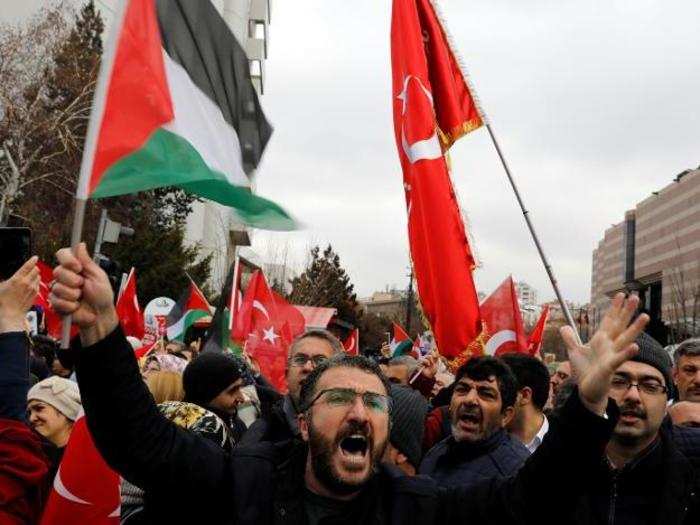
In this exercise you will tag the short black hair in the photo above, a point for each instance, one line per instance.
(308, 389)
(530, 372)
(483, 367)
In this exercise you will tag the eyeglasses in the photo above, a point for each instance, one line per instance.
(302, 359)
(345, 397)
(648, 386)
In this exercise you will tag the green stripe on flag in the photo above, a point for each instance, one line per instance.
(169, 160)
(177, 331)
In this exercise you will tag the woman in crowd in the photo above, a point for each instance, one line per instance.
(53, 406)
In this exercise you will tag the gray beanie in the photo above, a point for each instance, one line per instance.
(653, 354)
(60, 393)
(408, 412)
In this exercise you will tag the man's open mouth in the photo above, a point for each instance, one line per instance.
(354, 446)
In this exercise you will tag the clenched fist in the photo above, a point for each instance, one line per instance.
(82, 290)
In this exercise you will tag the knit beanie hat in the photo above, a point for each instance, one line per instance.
(208, 375)
(408, 412)
(60, 393)
(653, 354)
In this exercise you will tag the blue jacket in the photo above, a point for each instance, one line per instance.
(454, 464)
(14, 375)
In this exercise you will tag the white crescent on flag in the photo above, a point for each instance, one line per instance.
(258, 305)
(428, 148)
(62, 491)
(498, 339)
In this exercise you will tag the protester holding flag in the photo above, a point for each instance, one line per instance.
(344, 424)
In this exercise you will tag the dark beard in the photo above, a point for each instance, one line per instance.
(321, 452)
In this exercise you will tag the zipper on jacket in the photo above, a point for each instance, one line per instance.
(613, 500)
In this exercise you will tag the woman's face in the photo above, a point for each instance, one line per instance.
(49, 422)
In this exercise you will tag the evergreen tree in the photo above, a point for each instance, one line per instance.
(325, 283)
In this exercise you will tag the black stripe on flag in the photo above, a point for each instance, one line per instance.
(195, 36)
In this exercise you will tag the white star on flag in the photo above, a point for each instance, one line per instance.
(270, 335)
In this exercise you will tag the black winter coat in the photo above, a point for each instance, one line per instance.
(197, 482)
(464, 464)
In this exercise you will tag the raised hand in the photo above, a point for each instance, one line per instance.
(594, 364)
(82, 290)
(17, 295)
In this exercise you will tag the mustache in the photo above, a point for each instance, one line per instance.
(630, 409)
(468, 410)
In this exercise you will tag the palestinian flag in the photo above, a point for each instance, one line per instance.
(175, 106)
(191, 306)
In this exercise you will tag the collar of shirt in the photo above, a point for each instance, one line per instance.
(537, 440)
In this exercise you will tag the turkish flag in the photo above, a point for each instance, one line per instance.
(352, 343)
(52, 321)
(502, 320)
(85, 489)
(268, 324)
(534, 341)
(433, 107)
(128, 309)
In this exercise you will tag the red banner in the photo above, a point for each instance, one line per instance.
(433, 107)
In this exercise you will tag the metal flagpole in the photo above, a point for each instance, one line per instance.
(526, 214)
(76, 234)
(475, 98)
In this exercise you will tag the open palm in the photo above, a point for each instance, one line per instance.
(594, 364)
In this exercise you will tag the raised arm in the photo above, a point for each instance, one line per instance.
(130, 433)
(562, 468)
(16, 297)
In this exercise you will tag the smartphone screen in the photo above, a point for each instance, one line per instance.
(15, 249)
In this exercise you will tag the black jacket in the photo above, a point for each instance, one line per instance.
(263, 483)
(277, 425)
(659, 487)
(464, 464)
(14, 375)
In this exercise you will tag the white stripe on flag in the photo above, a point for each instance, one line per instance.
(199, 121)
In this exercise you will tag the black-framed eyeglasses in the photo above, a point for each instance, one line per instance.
(648, 386)
(302, 359)
(345, 397)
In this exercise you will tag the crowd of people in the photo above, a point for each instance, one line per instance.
(610, 437)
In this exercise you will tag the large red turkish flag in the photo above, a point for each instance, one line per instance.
(85, 489)
(433, 107)
(502, 321)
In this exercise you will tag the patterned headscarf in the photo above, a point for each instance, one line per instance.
(198, 420)
(166, 362)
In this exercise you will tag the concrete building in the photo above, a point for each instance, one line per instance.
(527, 295)
(527, 298)
(390, 303)
(655, 252)
(213, 226)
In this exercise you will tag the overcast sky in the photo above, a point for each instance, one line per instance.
(596, 105)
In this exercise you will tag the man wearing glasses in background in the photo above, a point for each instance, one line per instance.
(644, 478)
(306, 352)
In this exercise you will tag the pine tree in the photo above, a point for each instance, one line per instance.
(325, 283)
